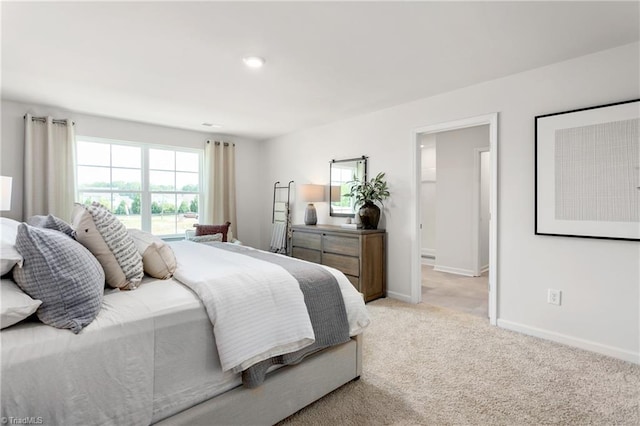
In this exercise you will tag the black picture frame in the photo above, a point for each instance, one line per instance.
(574, 150)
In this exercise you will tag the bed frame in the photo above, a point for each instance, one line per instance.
(284, 392)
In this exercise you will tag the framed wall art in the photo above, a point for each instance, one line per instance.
(587, 172)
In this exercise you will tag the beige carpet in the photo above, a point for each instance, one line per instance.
(434, 366)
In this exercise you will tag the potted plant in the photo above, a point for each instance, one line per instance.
(366, 194)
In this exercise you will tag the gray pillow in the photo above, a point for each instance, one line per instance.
(61, 273)
(52, 222)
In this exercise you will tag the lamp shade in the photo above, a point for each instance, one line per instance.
(5, 193)
(311, 193)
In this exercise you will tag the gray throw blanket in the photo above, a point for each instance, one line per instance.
(324, 302)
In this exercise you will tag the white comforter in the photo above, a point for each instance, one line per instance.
(257, 308)
(256, 314)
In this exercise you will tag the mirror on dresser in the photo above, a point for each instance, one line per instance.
(341, 173)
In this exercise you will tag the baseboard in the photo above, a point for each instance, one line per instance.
(428, 252)
(457, 271)
(588, 345)
(484, 269)
(399, 296)
(430, 261)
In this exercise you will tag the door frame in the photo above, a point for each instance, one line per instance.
(475, 212)
(416, 272)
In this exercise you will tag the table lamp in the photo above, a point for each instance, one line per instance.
(5, 193)
(311, 193)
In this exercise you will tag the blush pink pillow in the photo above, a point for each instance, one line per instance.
(213, 229)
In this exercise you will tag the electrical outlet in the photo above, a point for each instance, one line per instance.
(554, 296)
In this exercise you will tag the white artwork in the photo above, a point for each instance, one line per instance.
(596, 171)
(588, 172)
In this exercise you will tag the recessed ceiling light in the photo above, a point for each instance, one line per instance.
(217, 126)
(421, 146)
(253, 61)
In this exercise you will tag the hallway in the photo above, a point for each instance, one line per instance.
(457, 292)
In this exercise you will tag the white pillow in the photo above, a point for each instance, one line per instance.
(15, 304)
(208, 238)
(157, 257)
(9, 256)
(107, 238)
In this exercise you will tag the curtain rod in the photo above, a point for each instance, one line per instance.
(225, 143)
(44, 120)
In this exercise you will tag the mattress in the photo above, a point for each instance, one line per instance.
(150, 353)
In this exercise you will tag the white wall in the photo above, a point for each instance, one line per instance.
(455, 154)
(248, 154)
(599, 278)
(428, 194)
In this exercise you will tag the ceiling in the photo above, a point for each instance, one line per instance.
(180, 63)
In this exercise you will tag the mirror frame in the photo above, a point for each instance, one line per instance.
(364, 178)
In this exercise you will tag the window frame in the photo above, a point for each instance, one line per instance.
(145, 191)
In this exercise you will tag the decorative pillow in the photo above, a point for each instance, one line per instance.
(16, 305)
(62, 274)
(9, 256)
(158, 259)
(52, 222)
(107, 238)
(207, 238)
(213, 229)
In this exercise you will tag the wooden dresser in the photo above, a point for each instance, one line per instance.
(358, 253)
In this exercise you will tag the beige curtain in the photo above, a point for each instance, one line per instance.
(220, 185)
(49, 170)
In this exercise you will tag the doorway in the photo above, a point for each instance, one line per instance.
(454, 218)
(491, 168)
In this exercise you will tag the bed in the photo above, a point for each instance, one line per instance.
(150, 357)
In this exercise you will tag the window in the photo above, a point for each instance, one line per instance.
(148, 187)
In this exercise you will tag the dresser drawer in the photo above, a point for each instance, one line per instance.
(306, 240)
(347, 265)
(306, 254)
(341, 245)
